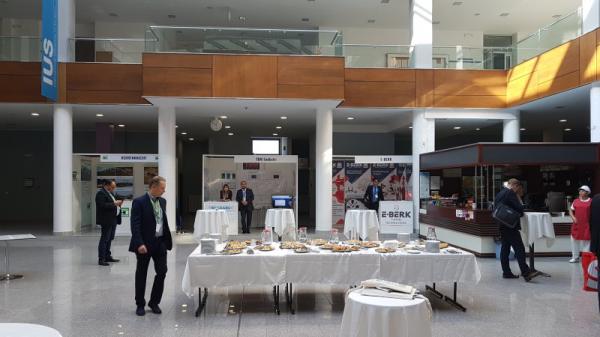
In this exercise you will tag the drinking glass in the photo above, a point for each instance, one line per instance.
(302, 235)
(334, 237)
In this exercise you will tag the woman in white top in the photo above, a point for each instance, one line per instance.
(580, 230)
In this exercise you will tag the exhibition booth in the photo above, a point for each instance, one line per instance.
(131, 172)
(460, 185)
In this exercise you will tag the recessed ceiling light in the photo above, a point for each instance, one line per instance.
(223, 117)
(230, 134)
(435, 22)
(556, 16)
(275, 134)
(477, 129)
(283, 117)
(191, 139)
(371, 21)
(99, 115)
(227, 126)
(350, 118)
(121, 125)
(457, 3)
(184, 133)
(278, 127)
(457, 128)
(522, 129)
(171, 16)
(477, 14)
(242, 18)
(567, 129)
(176, 126)
(562, 120)
(35, 114)
(305, 19)
(504, 14)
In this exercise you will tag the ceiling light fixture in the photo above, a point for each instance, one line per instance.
(350, 118)
(223, 117)
(477, 129)
(562, 120)
(410, 127)
(567, 129)
(99, 115)
(35, 114)
(522, 129)
(184, 133)
(283, 117)
(176, 126)
(504, 14)
(230, 134)
(278, 127)
(227, 126)
(191, 139)
(275, 134)
(242, 18)
(457, 128)
(121, 125)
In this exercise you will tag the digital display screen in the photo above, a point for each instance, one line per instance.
(265, 146)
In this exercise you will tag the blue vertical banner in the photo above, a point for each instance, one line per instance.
(50, 49)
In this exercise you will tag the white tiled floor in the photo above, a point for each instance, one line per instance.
(64, 288)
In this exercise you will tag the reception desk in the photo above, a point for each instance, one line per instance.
(231, 207)
(477, 234)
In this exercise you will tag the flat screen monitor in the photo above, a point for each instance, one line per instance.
(265, 146)
(281, 201)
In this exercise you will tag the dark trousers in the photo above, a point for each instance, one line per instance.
(106, 237)
(158, 254)
(246, 214)
(512, 237)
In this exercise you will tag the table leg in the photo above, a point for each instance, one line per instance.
(8, 276)
(201, 300)
(453, 301)
(434, 291)
(532, 261)
(276, 299)
(289, 297)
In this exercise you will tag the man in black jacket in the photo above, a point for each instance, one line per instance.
(373, 195)
(512, 236)
(150, 239)
(108, 215)
(595, 230)
(245, 199)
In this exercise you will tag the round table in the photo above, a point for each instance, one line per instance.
(364, 222)
(210, 221)
(26, 330)
(368, 316)
(283, 222)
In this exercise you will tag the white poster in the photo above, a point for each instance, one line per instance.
(396, 217)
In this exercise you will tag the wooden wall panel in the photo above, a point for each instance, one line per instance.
(587, 58)
(380, 94)
(245, 76)
(314, 70)
(167, 60)
(380, 75)
(557, 62)
(559, 84)
(310, 91)
(445, 101)
(522, 70)
(104, 83)
(470, 82)
(521, 90)
(424, 88)
(20, 82)
(106, 97)
(177, 82)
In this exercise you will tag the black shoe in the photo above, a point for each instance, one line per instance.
(511, 275)
(111, 259)
(140, 311)
(102, 262)
(531, 275)
(155, 309)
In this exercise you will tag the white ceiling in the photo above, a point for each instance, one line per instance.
(524, 15)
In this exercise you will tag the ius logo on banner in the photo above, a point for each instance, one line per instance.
(49, 49)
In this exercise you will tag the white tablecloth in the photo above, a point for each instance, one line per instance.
(26, 330)
(538, 225)
(325, 267)
(210, 221)
(367, 316)
(283, 221)
(364, 222)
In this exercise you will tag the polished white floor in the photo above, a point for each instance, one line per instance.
(65, 289)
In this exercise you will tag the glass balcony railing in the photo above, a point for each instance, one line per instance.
(109, 50)
(376, 56)
(20, 48)
(566, 28)
(223, 40)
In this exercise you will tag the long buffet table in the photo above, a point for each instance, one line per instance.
(283, 266)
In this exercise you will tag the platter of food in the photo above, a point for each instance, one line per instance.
(384, 250)
(369, 244)
(231, 252)
(302, 250)
(291, 245)
(264, 248)
(235, 245)
(318, 242)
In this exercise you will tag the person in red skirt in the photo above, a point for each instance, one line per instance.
(580, 230)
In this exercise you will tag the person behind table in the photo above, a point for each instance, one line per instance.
(580, 230)
(373, 195)
(245, 199)
(511, 236)
(225, 194)
(595, 230)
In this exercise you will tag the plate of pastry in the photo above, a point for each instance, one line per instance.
(369, 244)
(318, 242)
(384, 250)
(302, 250)
(328, 246)
(236, 245)
(264, 248)
(232, 252)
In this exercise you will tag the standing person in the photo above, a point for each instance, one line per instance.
(225, 194)
(245, 199)
(580, 230)
(150, 239)
(595, 230)
(108, 215)
(373, 195)
(511, 236)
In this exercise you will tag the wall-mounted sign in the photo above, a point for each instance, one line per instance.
(49, 48)
(265, 159)
(396, 216)
(128, 158)
(382, 159)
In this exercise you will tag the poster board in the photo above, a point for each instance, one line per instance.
(396, 216)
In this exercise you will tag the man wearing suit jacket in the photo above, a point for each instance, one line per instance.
(245, 199)
(108, 215)
(595, 230)
(150, 239)
(373, 195)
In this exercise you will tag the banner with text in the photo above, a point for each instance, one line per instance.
(396, 217)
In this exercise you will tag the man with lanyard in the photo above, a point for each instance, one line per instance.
(373, 195)
(108, 215)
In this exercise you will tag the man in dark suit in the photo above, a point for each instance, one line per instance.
(245, 199)
(511, 236)
(595, 230)
(373, 195)
(108, 215)
(150, 239)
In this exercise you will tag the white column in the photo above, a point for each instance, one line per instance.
(62, 169)
(511, 129)
(423, 141)
(591, 15)
(595, 115)
(421, 33)
(167, 158)
(66, 30)
(323, 169)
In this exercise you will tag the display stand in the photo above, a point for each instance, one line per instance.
(7, 276)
